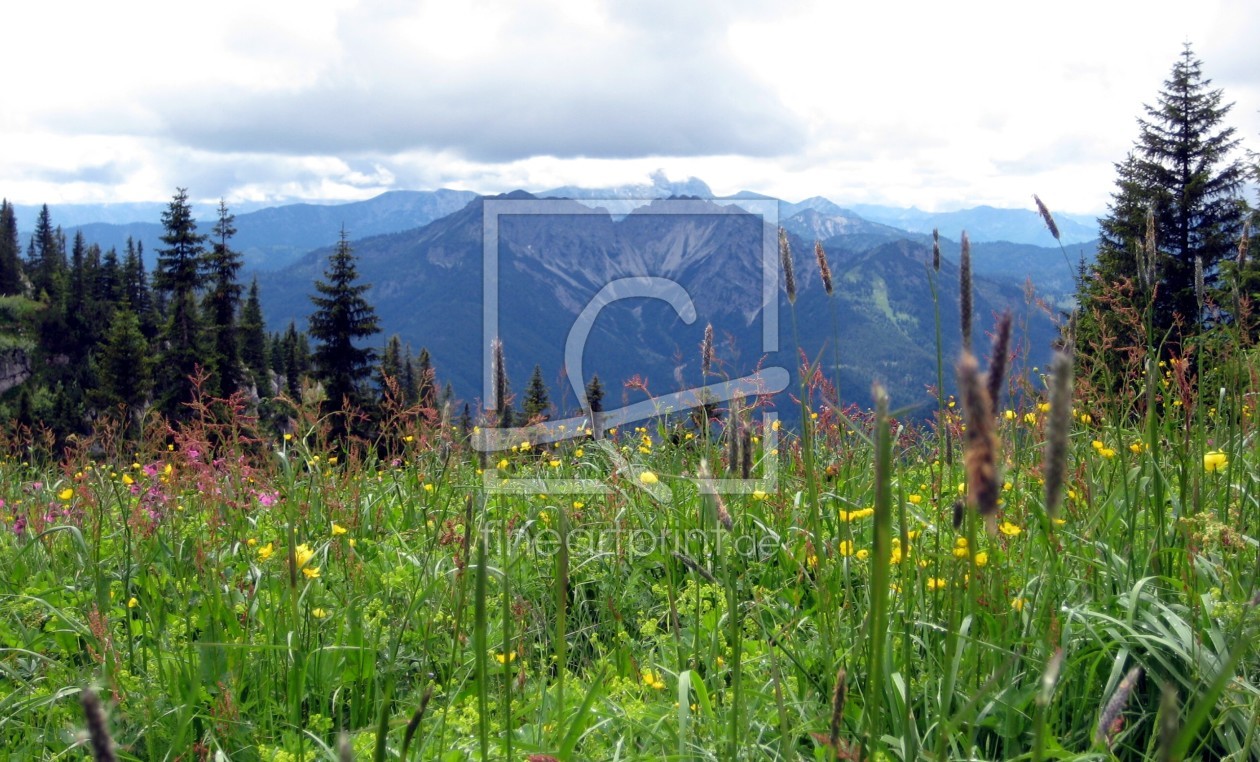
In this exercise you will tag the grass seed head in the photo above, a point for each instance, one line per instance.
(936, 250)
(1045, 215)
(823, 268)
(997, 362)
(789, 275)
(838, 696)
(1057, 428)
(1244, 243)
(98, 731)
(1199, 291)
(1146, 262)
(980, 457)
(1115, 707)
(964, 291)
(500, 401)
(706, 350)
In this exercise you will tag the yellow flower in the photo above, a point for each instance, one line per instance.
(266, 551)
(652, 681)
(302, 554)
(1009, 415)
(1097, 444)
(579, 452)
(845, 547)
(554, 462)
(1086, 418)
(578, 505)
(1136, 448)
(65, 494)
(132, 602)
(502, 464)
(288, 437)
(1044, 407)
(332, 460)
(352, 542)
(776, 425)
(981, 558)
(1107, 452)
(428, 487)
(409, 438)
(168, 469)
(960, 552)
(311, 572)
(936, 583)
(862, 554)
(319, 613)
(126, 479)
(1214, 461)
(1018, 602)
(1009, 529)
(915, 499)
(506, 658)
(525, 446)
(251, 542)
(1030, 419)
(759, 494)
(338, 529)
(648, 478)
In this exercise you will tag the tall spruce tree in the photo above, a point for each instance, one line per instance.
(1184, 171)
(390, 370)
(341, 316)
(123, 363)
(10, 252)
(46, 259)
(536, 401)
(221, 304)
(178, 276)
(254, 340)
(426, 382)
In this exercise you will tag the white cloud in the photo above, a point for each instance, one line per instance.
(932, 104)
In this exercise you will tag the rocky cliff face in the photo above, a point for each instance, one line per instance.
(15, 368)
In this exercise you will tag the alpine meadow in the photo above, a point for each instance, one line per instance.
(646, 473)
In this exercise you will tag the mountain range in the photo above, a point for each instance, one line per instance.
(423, 253)
(427, 287)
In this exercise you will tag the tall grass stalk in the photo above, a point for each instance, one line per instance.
(881, 554)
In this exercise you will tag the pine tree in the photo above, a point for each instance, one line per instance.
(295, 360)
(135, 288)
(1183, 170)
(595, 394)
(595, 403)
(10, 252)
(536, 399)
(254, 340)
(123, 363)
(426, 383)
(390, 369)
(221, 304)
(46, 259)
(342, 315)
(177, 277)
(180, 266)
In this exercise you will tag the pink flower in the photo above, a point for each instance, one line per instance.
(268, 499)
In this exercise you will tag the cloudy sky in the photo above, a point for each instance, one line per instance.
(936, 104)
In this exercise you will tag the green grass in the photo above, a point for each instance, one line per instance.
(258, 600)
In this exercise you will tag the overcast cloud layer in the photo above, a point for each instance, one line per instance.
(939, 105)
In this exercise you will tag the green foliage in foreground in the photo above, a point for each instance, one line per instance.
(257, 599)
